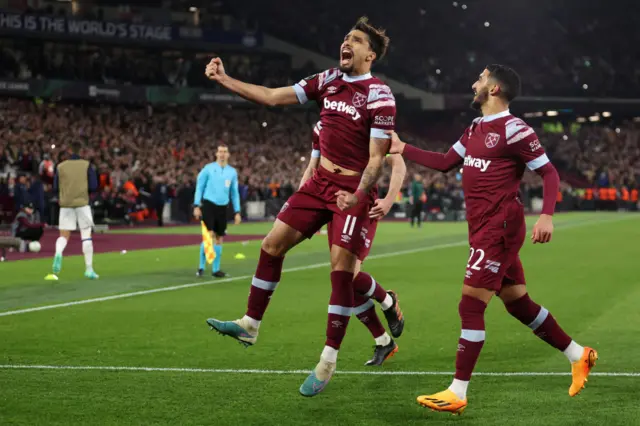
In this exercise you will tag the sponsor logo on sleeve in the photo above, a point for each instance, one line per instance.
(384, 120)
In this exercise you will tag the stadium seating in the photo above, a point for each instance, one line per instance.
(437, 46)
(132, 147)
(441, 46)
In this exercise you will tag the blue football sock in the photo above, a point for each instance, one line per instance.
(216, 261)
(203, 257)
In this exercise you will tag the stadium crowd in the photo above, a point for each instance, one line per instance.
(144, 156)
(593, 49)
(105, 64)
(135, 150)
(588, 58)
(435, 44)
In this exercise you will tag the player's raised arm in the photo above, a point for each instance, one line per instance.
(259, 94)
(433, 160)
(398, 173)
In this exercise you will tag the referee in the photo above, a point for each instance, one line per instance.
(217, 182)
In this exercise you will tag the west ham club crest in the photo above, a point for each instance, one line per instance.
(492, 140)
(359, 100)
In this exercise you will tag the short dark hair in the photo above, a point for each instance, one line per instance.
(76, 147)
(507, 78)
(378, 38)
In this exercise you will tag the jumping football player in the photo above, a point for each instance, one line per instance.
(494, 152)
(365, 286)
(356, 110)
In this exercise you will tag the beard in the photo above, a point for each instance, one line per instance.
(480, 99)
(346, 69)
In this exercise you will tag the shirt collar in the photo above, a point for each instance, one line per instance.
(350, 79)
(496, 116)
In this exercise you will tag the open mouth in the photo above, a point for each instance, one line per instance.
(345, 56)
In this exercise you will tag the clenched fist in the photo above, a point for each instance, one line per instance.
(215, 70)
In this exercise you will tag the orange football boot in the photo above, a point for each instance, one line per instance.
(580, 370)
(445, 401)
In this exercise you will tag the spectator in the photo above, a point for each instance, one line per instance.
(134, 145)
(20, 192)
(26, 227)
(159, 197)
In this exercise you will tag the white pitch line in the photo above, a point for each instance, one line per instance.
(299, 268)
(202, 283)
(286, 372)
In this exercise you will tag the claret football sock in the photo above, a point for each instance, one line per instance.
(263, 285)
(543, 325)
(340, 307)
(365, 311)
(366, 285)
(472, 336)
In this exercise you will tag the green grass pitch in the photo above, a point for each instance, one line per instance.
(586, 277)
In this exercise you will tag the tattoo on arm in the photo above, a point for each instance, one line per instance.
(378, 148)
(370, 176)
